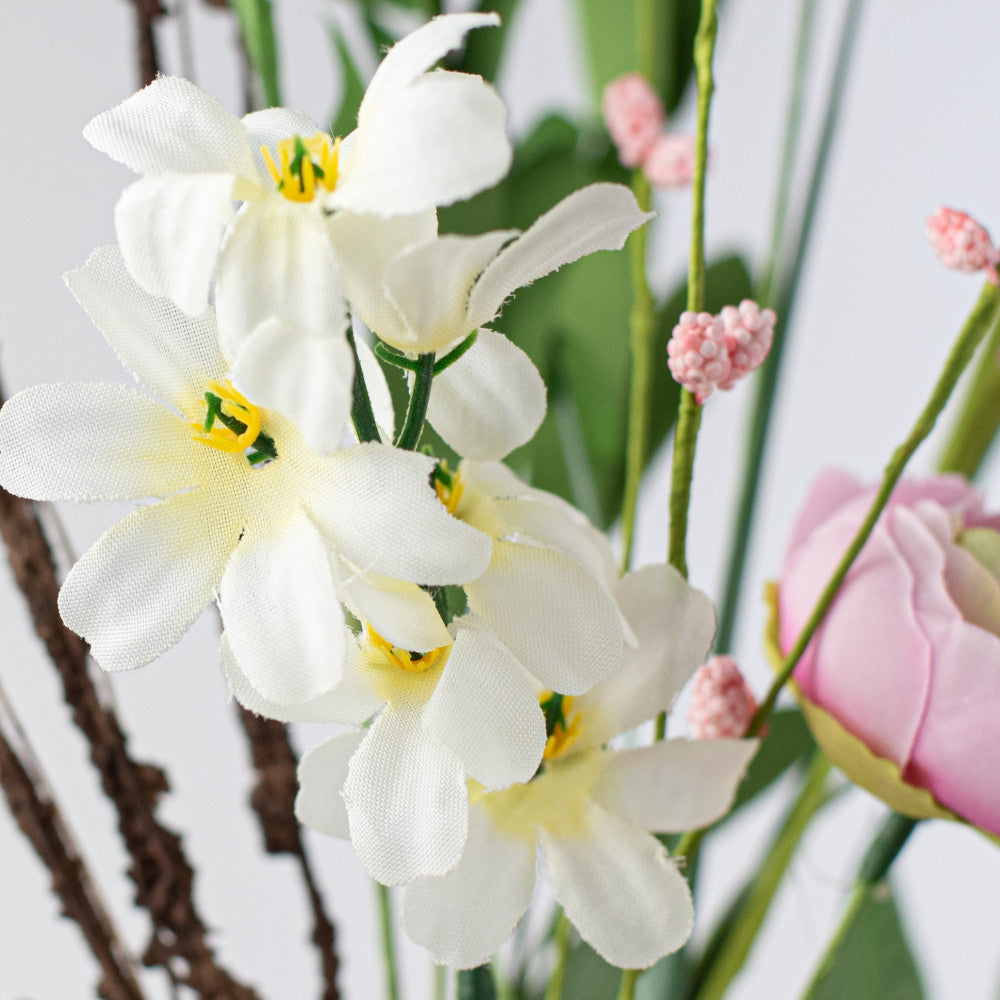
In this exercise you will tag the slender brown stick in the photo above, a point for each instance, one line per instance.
(147, 13)
(162, 876)
(273, 799)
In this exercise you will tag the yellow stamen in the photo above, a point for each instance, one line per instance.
(450, 496)
(236, 405)
(302, 164)
(565, 732)
(413, 663)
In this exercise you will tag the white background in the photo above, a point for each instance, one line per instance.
(875, 319)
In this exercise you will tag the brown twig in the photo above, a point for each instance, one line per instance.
(273, 799)
(147, 13)
(160, 871)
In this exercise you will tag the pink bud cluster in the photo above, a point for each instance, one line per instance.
(722, 704)
(707, 352)
(635, 119)
(962, 243)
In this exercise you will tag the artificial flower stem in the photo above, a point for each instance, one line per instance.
(362, 414)
(976, 326)
(735, 947)
(441, 982)
(976, 425)
(884, 850)
(388, 942)
(767, 383)
(626, 991)
(420, 396)
(555, 987)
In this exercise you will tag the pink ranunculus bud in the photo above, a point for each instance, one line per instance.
(634, 116)
(697, 353)
(901, 683)
(670, 161)
(722, 704)
(962, 243)
(749, 331)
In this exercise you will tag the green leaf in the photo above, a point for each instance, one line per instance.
(873, 960)
(352, 85)
(484, 47)
(588, 976)
(257, 27)
(476, 984)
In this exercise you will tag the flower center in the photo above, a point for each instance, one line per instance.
(412, 663)
(562, 724)
(232, 423)
(448, 486)
(302, 164)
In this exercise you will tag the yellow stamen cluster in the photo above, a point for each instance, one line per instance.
(217, 435)
(450, 496)
(565, 732)
(302, 164)
(412, 663)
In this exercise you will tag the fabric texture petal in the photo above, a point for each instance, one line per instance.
(139, 588)
(322, 773)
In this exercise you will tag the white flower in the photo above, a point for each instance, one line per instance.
(246, 511)
(590, 808)
(423, 139)
(492, 399)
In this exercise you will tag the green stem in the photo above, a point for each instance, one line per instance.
(767, 383)
(736, 946)
(626, 991)
(976, 425)
(362, 415)
(981, 319)
(416, 412)
(388, 942)
(555, 987)
(440, 982)
(874, 866)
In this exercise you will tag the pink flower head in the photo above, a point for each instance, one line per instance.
(697, 353)
(722, 703)
(908, 658)
(670, 161)
(634, 116)
(748, 337)
(962, 243)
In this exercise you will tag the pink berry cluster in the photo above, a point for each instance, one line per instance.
(635, 119)
(962, 243)
(722, 704)
(707, 352)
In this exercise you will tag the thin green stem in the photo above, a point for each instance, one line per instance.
(734, 949)
(416, 412)
(981, 319)
(388, 942)
(555, 986)
(767, 383)
(626, 991)
(441, 982)
(362, 415)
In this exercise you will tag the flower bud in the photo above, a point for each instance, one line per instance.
(697, 353)
(722, 704)
(634, 116)
(669, 163)
(962, 243)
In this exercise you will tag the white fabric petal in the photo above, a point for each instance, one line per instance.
(490, 401)
(170, 229)
(172, 354)
(400, 612)
(437, 141)
(383, 517)
(277, 261)
(620, 890)
(307, 378)
(673, 785)
(281, 614)
(378, 391)
(417, 52)
(95, 441)
(674, 625)
(465, 916)
(138, 589)
(172, 126)
(449, 265)
(269, 127)
(351, 701)
(406, 800)
(364, 245)
(322, 772)
(485, 710)
(552, 615)
(597, 217)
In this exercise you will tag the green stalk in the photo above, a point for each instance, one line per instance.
(388, 942)
(767, 383)
(736, 946)
(555, 987)
(626, 991)
(420, 396)
(362, 415)
(440, 982)
(976, 425)
(984, 314)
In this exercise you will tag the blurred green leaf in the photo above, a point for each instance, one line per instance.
(484, 46)
(873, 960)
(352, 85)
(257, 27)
(588, 976)
(476, 984)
